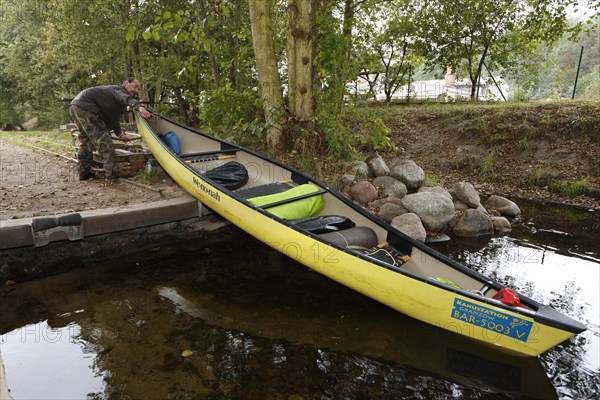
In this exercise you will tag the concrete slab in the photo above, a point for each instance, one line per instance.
(34, 248)
(19, 233)
(136, 216)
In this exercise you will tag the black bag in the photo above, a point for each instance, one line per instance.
(231, 175)
(324, 224)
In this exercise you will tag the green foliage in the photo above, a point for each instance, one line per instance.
(149, 177)
(338, 136)
(430, 180)
(392, 46)
(371, 132)
(232, 114)
(488, 169)
(548, 72)
(570, 190)
(184, 51)
(524, 144)
(536, 178)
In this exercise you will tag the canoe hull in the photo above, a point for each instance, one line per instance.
(501, 327)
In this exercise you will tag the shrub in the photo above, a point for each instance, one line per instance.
(233, 115)
(371, 132)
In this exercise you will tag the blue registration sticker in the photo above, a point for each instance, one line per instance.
(488, 318)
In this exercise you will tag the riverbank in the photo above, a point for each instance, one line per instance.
(547, 152)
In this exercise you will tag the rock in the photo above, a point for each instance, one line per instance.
(363, 192)
(504, 206)
(466, 193)
(344, 182)
(592, 191)
(494, 213)
(389, 211)
(436, 189)
(411, 225)
(360, 170)
(408, 173)
(473, 223)
(377, 166)
(460, 206)
(501, 225)
(376, 204)
(383, 181)
(434, 210)
(390, 186)
(483, 210)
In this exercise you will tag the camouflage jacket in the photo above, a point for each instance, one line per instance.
(108, 101)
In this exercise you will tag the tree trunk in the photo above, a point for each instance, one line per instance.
(214, 66)
(159, 79)
(266, 65)
(234, 42)
(300, 60)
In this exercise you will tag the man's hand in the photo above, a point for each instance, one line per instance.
(145, 113)
(123, 137)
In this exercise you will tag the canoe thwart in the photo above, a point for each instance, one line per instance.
(286, 201)
(209, 158)
(208, 153)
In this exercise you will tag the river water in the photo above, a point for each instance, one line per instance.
(228, 317)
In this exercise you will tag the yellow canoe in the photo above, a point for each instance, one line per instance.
(398, 271)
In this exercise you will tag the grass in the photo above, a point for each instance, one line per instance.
(148, 177)
(535, 178)
(430, 180)
(40, 142)
(570, 190)
(525, 143)
(488, 169)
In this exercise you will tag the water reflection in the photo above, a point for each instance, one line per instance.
(375, 333)
(254, 324)
(56, 357)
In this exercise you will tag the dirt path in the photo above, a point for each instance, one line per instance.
(33, 184)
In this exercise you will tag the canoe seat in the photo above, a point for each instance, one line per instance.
(323, 224)
(262, 190)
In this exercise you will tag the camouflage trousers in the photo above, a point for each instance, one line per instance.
(93, 134)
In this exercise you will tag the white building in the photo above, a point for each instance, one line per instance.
(447, 89)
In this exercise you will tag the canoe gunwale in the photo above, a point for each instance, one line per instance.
(540, 313)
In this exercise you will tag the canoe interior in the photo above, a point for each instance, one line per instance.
(263, 171)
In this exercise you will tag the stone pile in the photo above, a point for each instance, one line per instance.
(396, 194)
